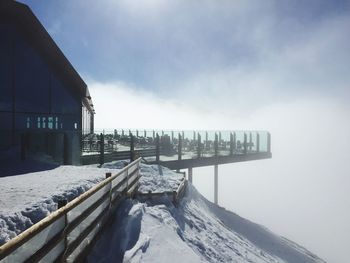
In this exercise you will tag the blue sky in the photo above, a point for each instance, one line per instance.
(253, 51)
(282, 66)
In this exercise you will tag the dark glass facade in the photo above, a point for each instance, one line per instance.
(33, 96)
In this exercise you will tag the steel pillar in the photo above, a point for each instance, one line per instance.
(216, 183)
(190, 174)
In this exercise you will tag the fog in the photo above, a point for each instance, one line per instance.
(301, 193)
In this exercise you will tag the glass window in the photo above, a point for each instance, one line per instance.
(39, 123)
(50, 123)
(28, 122)
(44, 123)
(5, 67)
(32, 79)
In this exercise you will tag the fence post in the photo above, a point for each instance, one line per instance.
(199, 146)
(194, 135)
(172, 137)
(122, 132)
(127, 180)
(153, 134)
(257, 142)
(219, 137)
(137, 133)
(245, 144)
(102, 149)
(179, 151)
(144, 133)
(157, 148)
(132, 148)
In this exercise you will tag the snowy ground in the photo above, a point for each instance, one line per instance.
(153, 231)
(27, 198)
(196, 231)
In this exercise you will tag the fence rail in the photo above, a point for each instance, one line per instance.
(175, 195)
(67, 234)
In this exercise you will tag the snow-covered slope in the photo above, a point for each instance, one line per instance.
(27, 198)
(195, 231)
(154, 231)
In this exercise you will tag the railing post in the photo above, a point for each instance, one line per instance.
(257, 142)
(231, 144)
(194, 135)
(132, 148)
(190, 173)
(268, 142)
(157, 148)
(144, 133)
(245, 144)
(250, 141)
(199, 145)
(179, 151)
(122, 132)
(234, 141)
(115, 133)
(153, 134)
(216, 146)
(183, 135)
(110, 190)
(206, 140)
(137, 133)
(219, 137)
(102, 149)
(216, 183)
(127, 180)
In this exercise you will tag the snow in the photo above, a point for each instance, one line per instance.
(27, 198)
(195, 230)
(156, 178)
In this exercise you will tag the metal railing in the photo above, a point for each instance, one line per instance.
(68, 233)
(172, 145)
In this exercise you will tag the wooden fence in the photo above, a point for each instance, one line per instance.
(175, 195)
(68, 233)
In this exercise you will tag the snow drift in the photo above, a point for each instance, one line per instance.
(195, 231)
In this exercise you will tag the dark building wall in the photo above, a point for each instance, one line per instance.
(33, 97)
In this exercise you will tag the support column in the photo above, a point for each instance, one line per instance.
(190, 174)
(216, 183)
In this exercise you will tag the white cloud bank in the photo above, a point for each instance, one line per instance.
(301, 193)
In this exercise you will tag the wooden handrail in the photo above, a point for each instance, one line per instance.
(18, 241)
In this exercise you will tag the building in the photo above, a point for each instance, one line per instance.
(44, 104)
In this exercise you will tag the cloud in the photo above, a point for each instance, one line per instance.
(121, 105)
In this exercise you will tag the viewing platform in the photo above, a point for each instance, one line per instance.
(177, 149)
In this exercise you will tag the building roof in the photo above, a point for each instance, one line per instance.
(23, 18)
